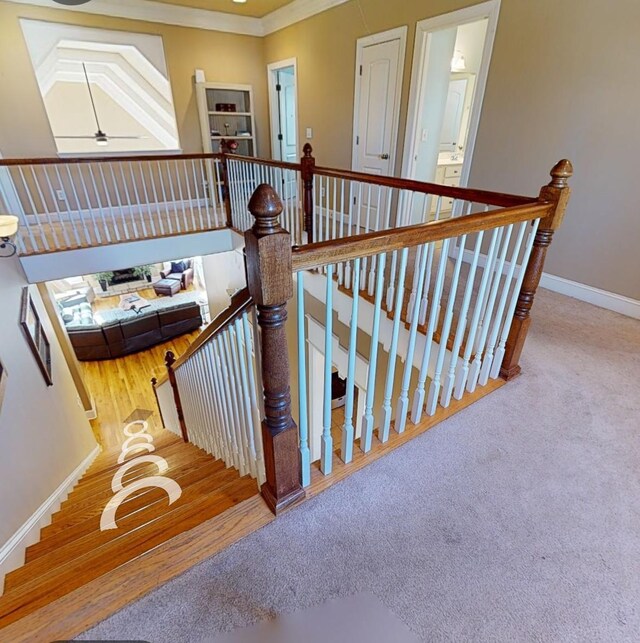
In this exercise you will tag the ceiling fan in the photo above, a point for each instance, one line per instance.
(99, 137)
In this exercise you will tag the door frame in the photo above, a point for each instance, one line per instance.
(489, 9)
(375, 39)
(274, 125)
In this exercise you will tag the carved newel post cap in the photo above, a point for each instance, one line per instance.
(307, 150)
(265, 205)
(561, 173)
(154, 381)
(169, 359)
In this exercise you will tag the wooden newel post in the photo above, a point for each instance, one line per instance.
(557, 192)
(227, 148)
(170, 360)
(308, 166)
(270, 281)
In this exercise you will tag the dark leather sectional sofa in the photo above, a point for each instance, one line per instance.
(126, 336)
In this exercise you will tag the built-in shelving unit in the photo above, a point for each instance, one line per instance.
(226, 112)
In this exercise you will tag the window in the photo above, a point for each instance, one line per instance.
(103, 91)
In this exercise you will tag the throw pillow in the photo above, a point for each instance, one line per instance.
(178, 266)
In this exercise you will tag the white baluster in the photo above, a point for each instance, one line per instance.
(110, 206)
(424, 300)
(303, 420)
(434, 387)
(403, 400)
(487, 361)
(134, 225)
(45, 208)
(163, 191)
(134, 183)
(499, 356)
(34, 211)
(419, 394)
(326, 458)
(54, 200)
(463, 371)
(100, 207)
(176, 169)
(223, 384)
(363, 284)
(476, 365)
(449, 380)
(225, 446)
(385, 423)
(74, 228)
(391, 290)
(366, 435)
(256, 396)
(346, 447)
(147, 200)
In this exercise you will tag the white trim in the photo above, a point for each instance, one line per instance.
(12, 552)
(490, 10)
(400, 33)
(295, 11)
(596, 296)
(583, 292)
(182, 16)
(273, 103)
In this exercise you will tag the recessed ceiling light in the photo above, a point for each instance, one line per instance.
(239, 1)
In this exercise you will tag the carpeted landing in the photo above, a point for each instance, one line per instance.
(516, 520)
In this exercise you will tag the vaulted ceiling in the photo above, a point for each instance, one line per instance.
(254, 8)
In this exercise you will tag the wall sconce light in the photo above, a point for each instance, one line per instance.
(458, 62)
(8, 229)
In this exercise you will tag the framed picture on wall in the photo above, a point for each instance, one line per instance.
(3, 382)
(36, 337)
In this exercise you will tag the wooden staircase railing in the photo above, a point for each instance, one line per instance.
(457, 296)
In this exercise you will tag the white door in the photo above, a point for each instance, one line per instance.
(286, 89)
(380, 62)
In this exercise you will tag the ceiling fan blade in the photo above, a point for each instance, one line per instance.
(87, 137)
(126, 137)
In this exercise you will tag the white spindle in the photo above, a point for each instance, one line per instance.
(403, 400)
(303, 420)
(419, 394)
(499, 356)
(449, 380)
(462, 373)
(74, 228)
(326, 458)
(387, 411)
(156, 200)
(366, 435)
(474, 371)
(54, 200)
(434, 387)
(147, 201)
(34, 211)
(100, 206)
(110, 206)
(45, 209)
(346, 447)
(498, 317)
(134, 185)
(196, 189)
(424, 300)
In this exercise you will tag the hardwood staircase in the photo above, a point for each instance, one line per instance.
(73, 551)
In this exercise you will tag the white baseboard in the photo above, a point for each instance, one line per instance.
(12, 552)
(595, 296)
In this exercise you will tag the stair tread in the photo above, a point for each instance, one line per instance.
(62, 580)
(174, 458)
(145, 515)
(86, 521)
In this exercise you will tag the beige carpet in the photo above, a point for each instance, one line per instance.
(516, 520)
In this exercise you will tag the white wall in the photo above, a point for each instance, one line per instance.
(223, 272)
(44, 434)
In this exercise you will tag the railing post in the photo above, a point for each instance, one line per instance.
(308, 164)
(557, 192)
(170, 360)
(270, 281)
(154, 383)
(226, 149)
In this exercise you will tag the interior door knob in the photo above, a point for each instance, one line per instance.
(384, 157)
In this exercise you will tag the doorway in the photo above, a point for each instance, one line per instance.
(282, 79)
(378, 89)
(451, 61)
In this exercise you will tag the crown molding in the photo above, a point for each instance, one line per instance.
(295, 11)
(171, 14)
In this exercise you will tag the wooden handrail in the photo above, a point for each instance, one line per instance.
(315, 255)
(239, 303)
(105, 159)
(285, 165)
(469, 194)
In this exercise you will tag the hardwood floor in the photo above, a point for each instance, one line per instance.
(120, 386)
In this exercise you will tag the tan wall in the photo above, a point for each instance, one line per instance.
(24, 128)
(44, 434)
(560, 85)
